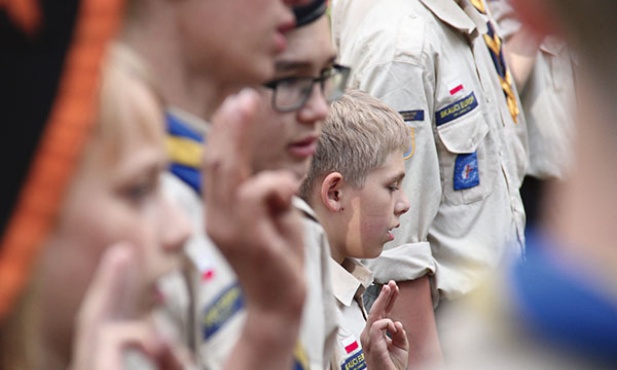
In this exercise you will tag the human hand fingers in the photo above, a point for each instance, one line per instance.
(107, 325)
(386, 331)
(275, 230)
(110, 299)
(227, 153)
(385, 345)
(136, 344)
(375, 334)
(393, 296)
(111, 294)
(254, 221)
(399, 336)
(383, 304)
(269, 195)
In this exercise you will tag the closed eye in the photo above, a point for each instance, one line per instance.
(394, 187)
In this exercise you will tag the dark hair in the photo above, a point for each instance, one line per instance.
(309, 13)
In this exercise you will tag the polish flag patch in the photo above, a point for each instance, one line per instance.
(350, 344)
(455, 87)
(207, 274)
(206, 268)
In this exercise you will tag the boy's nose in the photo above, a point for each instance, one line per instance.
(177, 227)
(316, 107)
(402, 206)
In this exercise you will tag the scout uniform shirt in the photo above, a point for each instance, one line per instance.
(349, 282)
(219, 307)
(429, 60)
(548, 99)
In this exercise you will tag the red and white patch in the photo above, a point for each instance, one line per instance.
(350, 344)
(455, 87)
(206, 268)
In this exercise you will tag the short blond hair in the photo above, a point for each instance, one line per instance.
(125, 79)
(358, 136)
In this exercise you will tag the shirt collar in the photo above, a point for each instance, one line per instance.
(194, 122)
(305, 208)
(462, 17)
(349, 280)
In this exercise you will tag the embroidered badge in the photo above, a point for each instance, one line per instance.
(466, 172)
(206, 268)
(350, 344)
(457, 109)
(412, 115)
(355, 362)
(412, 144)
(354, 359)
(221, 310)
(455, 87)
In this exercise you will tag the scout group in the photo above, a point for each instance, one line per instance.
(308, 184)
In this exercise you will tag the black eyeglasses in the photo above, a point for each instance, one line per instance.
(290, 94)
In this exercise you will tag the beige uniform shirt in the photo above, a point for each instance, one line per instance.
(219, 307)
(548, 99)
(320, 323)
(216, 314)
(428, 59)
(349, 282)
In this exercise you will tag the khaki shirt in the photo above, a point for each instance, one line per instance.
(218, 304)
(349, 282)
(216, 314)
(548, 99)
(428, 60)
(320, 323)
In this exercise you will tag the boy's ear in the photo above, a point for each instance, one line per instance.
(332, 191)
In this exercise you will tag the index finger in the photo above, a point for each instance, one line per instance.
(378, 311)
(393, 297)
(110, 295)
(228, 151)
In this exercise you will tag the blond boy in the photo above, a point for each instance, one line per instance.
(354, 187)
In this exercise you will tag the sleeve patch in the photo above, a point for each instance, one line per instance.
(412, 115)
(224, 307)
(412, 144)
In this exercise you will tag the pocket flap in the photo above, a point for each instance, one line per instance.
(464, 134)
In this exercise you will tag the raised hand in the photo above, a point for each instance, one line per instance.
(251, 219)
(108, 330)
(384, 341)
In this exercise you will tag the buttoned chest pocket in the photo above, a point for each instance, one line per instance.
(467, 162)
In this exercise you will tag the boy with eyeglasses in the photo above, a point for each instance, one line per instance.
(288, 120)
(196, 69)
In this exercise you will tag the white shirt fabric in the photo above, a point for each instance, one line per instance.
(548, 99)
(349, 282)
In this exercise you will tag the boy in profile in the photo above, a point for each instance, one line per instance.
(353, 186)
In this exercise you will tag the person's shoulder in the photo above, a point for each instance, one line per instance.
(181, 193)
(308, 214)
(392, 31)
(313, 229)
